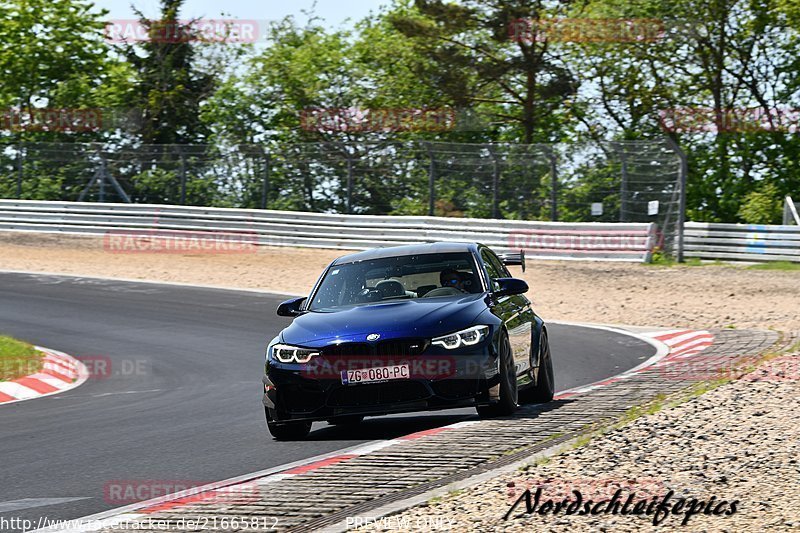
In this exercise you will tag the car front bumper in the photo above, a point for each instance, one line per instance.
(294, 392)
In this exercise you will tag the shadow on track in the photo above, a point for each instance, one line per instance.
(381, 428)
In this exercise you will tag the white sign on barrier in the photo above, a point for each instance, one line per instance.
(597, 209)
(652, 207)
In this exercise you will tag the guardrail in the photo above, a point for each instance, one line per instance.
(742, 242)
(542, 240)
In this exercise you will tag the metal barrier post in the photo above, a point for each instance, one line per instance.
(431, 182)
(20, 157)
(623, 187)
(495, 184)
(683, 178)
(349, 182)
(790, 214)
(553, 186)
(102, 183)
(183, 178)
(265, 181)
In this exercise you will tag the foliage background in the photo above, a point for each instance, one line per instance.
(714, 55)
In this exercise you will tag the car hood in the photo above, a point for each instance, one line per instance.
(424, 317)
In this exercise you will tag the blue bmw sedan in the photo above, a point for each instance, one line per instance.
(407, 328)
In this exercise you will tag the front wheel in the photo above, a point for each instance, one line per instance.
(287, 430)
(544, 389)
(507, 402)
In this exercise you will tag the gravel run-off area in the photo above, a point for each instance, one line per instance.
(737, 443)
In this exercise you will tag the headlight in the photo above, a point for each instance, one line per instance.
(292, 354)
(465, 337)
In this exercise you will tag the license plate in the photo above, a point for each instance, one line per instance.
(372, 375)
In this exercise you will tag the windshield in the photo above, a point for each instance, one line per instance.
(395, 278)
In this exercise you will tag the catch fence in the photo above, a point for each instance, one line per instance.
(611, 182)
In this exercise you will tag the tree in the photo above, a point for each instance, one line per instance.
(169, 88)
(310, 97)
(52, 55)
(762, 206)
(714, 67)
(479, 58)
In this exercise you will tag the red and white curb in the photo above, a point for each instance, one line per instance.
(60, 372)
(683, 343)
(670, 345)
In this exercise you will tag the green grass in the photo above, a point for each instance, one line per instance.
(649, 408)
(776, 265)
(664, 260)
(17, 359)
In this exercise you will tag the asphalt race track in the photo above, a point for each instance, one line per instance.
(178, 391)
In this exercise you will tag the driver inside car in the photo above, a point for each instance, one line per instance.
(451, 278)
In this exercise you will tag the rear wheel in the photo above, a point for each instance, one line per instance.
(544, 389)
(347, 420)
(287, 430)
(507, 402)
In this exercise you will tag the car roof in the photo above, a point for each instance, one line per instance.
(408, 249)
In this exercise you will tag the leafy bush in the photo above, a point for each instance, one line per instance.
(762, 206)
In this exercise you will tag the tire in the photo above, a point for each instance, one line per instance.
(507, 403)
(544, 389)
(346, 420)
(288, 430)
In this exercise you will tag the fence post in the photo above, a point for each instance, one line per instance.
(553, 186)
(790, 212)
(785, 221)
(265, 181)
(683, 178)
(495, 184)
(102, 197)
(623, 187)
(20, 156)
(431, 182)
(183, 177)
(349, 181)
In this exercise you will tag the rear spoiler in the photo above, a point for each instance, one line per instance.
(514, 258)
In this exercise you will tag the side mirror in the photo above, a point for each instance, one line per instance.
(291, 307)
(510, 286)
